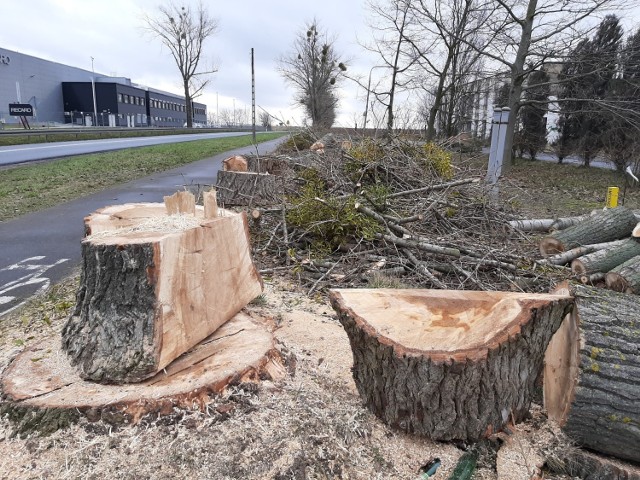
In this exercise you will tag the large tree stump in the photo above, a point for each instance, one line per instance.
(242, 350)
(592, 372)
(607, 258)
(153, 286)
(448, 364)
(603, 226)
(267, 164)
(248, 188)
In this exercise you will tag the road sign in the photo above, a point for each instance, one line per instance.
(20, 110)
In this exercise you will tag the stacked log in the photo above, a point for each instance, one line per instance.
(625, 277)
(606, 259)
(448, 364)
(248, 188)
(603, 226)
(592, 372)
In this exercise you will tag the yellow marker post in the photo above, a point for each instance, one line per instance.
(612, 197)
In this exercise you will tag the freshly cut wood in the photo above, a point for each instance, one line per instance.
(210, 204)
(153, 286)
(636, 231)
(237, 163)
(448, 364)
(248, 188)
(607, 258)
(240, 350)
(271, 165)
(625, 277)
(180, 202)
(603, 226)
(592, 372)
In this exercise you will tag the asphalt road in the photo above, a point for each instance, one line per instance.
(43, 247)
(41, 151)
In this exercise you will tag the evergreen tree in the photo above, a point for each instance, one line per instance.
(533, 133)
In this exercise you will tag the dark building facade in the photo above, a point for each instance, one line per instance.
(63, 94)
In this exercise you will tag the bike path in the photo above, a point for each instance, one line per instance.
(41, 248)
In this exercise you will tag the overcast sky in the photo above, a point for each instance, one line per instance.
(111, 31)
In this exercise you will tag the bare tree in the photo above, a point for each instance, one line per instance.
(392, 21)
(314, 69)
(184, 31)
(447, 42)
(265, 120)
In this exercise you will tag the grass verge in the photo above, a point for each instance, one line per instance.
(35, 187)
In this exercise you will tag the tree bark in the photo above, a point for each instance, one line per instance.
(147, 296)
(606, 259)
(247, 188)
(603, 226)
(625, 277)
(592, 372)
(447, 364)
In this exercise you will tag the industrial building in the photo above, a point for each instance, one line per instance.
(62, 94)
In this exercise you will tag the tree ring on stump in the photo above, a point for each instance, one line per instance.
(241, 350)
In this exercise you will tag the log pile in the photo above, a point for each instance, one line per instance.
(601, 248)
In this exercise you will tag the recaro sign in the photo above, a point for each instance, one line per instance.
(20, 110)
(5, 59)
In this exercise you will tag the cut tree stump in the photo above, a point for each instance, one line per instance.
(270, 165)
(241, 350)
(248, 188)
(606, 259)
(625, 277)
(592, 372)
(603, 226)
(153, 286)
(450, 365)
(237, 163)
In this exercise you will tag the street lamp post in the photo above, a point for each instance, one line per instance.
(93, 89)
(366, 107)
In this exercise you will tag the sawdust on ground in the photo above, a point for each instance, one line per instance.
(310, 425)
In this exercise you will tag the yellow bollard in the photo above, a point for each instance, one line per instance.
(612, 197)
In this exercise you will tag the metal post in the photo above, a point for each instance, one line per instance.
(493, 171)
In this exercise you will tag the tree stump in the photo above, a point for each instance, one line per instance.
(602, 226)
(450, 365)
(155, 285)
(270, 165)
(237, 163)
(248, 188)
(592, 372)
(242, 350)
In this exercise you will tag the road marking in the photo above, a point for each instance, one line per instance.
(34, 277)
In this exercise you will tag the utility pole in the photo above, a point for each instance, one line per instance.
(93, 89)
(253, 99)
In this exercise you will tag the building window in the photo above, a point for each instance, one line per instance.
(142, 101)
(119, 98)
(126, 98)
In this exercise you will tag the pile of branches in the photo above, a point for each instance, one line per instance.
(392, 213)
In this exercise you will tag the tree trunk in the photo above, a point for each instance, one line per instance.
(447, 364)
(248, 188)
(188, 104)
(606, 259)
(625, 277)
(592, 372)
(604, 226)
(153, 286)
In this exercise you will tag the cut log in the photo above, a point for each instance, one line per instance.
(152, 289)
(625, 277)
(585, 465)
(247, 188)
(237, 163)
(604, 226)
(448, 364)
(592, 372)
(607, 258)
(242, 349)
(570, 255)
